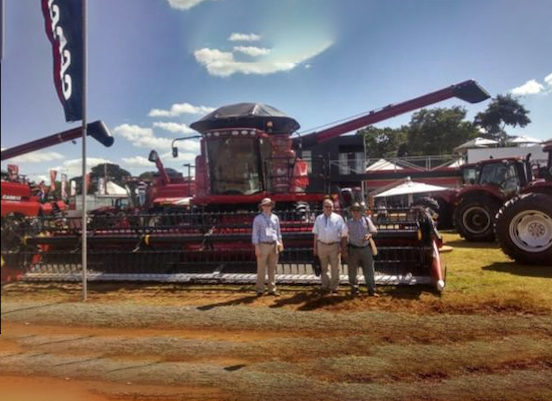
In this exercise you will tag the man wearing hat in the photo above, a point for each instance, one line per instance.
(361, 229)
(267, 239)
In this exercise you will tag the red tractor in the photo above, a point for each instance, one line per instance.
(489, 184)
(524, 224)
(247, 153)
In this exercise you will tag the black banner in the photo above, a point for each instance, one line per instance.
(63, 23)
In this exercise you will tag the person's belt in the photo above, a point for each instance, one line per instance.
(329, 243)
(268, 243)
(356, 246)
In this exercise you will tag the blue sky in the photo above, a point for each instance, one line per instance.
(156, 66)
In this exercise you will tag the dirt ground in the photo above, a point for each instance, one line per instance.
(174, 343)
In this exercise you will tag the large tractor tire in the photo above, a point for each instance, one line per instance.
(524, 229)
(474, 218)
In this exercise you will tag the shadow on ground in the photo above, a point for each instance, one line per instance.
(520, 270)
(234, 302)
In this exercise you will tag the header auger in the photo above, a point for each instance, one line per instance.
(247, 153)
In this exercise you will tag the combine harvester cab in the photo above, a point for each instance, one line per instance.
(247, 154)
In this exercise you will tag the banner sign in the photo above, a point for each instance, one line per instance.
(64, 186)
(53, 175)
(73, 188)
(63, 22)
(101, 186)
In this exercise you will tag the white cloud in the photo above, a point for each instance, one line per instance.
(531, 87)
(174, 128)
(145, 138)
(73, 167)
(244, 37)
(142, 137)
(548, 80)
(252, 50)
(184, 4)
(137, 161)
(38, 157)
(223, 64)
(179, 109)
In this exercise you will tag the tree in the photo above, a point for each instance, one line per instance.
(438, 131)
(501, 111)
(382, 142)
(113, 172)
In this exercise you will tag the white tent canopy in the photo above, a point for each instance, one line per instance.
(409, 187)
(476, 143)
(383, 164)
(522, 139)
(113, 189)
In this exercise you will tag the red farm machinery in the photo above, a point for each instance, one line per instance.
(247, 153)
(22, 209)
(524, 223)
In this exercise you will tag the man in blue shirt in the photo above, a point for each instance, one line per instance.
(361, 229)
(267, 239)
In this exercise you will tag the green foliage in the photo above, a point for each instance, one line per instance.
(113, 172)
(430, 132)
(147, 176)
(438, 131)
(383, 142)
(502, 110)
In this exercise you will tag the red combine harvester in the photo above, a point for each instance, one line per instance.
(168, 193)
(524, 224)
(247, 153)
(20, 206)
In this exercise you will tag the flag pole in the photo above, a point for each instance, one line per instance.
(84, 186)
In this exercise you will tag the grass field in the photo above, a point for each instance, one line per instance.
(488, 336)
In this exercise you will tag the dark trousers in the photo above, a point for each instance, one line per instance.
(361, 257)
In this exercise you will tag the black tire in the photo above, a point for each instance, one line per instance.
(445, 220)
(524, 229)
(474, 218)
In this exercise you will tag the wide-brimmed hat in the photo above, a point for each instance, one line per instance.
(266, 201)
(356, 206)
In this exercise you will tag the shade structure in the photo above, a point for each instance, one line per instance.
(476, 143)
(522, 139)
(383, 164)
(409, 187)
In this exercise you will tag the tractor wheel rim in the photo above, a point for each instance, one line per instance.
(476, 220)
(531, 231)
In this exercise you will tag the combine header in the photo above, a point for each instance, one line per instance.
(22, 210)
(247, 153)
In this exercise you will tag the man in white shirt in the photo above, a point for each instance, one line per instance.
(266, 236)
(330, 240)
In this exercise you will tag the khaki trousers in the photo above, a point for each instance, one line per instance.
(267, 261)
(329, 255)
